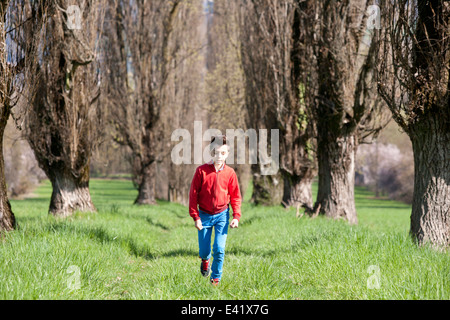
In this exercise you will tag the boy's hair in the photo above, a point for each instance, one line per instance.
(218, 141)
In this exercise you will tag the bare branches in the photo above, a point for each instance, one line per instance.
(19, 43)
(340, 49)
(147, 47)
(413, 59)
(20, 40)
(64, 124)
(271, 55)
(413, 76)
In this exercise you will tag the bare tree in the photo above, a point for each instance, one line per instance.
(270, 48)
(7, 219)
(225, 83)
(187, 95)
(132, 106)
(340, 89)
(413, 79)
(63, 124)
(20, 26)
(148, 87)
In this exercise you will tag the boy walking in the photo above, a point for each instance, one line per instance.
(214, 186)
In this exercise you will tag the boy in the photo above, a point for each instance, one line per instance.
(213, 188)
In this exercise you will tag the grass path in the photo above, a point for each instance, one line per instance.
(132, 252)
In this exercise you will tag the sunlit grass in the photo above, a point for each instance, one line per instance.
(141, 252)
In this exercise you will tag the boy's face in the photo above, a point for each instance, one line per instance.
(220, 154)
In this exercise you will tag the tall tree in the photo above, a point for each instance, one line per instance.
(340, 89)
(132, 106)
(145, 41)
(20, 26)
(63, 123)
(225, 90)
(207, 85)
(270, 45)
(413, 79)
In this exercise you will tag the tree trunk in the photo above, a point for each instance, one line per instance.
(244, 176)
(70, 194)
(147, 192)
(336, 157)
(297, 192)
(7, 219)
(267, 189)
(430, 217)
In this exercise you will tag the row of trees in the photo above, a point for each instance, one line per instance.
(328, 74)
(413, 77)
(339, 64)
(101, 71)
(311, 66)
(19, 55)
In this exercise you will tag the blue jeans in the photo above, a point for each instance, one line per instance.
(220, 223)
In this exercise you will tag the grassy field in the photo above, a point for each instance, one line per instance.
(132, 252)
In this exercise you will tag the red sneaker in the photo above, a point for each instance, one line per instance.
(205, 268)
(215, 282)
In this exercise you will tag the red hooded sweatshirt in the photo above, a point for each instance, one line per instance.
(212, 191)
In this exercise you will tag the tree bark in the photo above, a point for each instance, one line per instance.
(430, 217)
(267, 189)
(70, 193)
(297, 192)
(297, 163)
(64, 121)
(147, 191)
(414, 80)
(7, 219)
(336, 159)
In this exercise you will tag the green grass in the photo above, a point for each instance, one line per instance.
(141, 252)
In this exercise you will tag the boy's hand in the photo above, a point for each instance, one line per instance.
(198, 224)
(234, 223)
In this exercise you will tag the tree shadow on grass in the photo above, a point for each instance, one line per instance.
(297, 245)
(115, 210)
(102, 236)
(238, 251)
(178, 224)
(150, 221)
(157, 224)
(251, 220)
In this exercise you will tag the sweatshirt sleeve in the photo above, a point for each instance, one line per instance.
(193, 195)
(235, 196)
